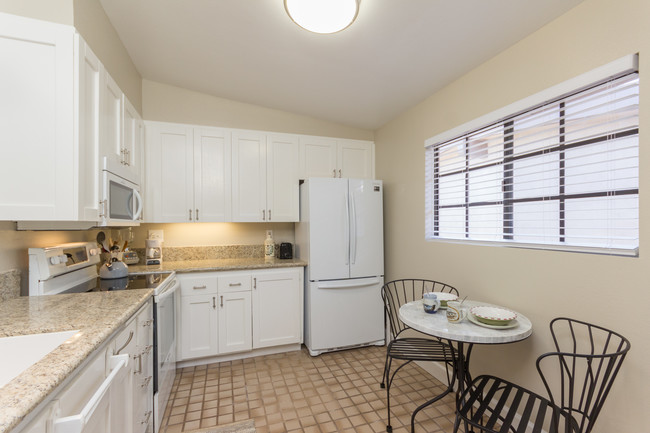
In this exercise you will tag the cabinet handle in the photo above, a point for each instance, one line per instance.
(334, 173)
(125, 344)
(214, 302)
(263, 215)
(122, 151)
(190, 214)
(339, 172)
(146, 420)
(128, 157)
(221, 301)
(254, 282)
(147, 349)
(197, 214)
(102, 205)
(147, 322)
(199, 287)
(269, 214)
(234, 284)
(139, 358)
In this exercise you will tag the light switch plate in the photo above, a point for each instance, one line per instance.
(156, 234)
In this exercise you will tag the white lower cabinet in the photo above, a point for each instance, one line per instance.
(277, 308)
(238, 311)
(106, 395)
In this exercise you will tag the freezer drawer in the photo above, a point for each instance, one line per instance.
(343, 313)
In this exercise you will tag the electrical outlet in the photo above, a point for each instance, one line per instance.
(156, 234)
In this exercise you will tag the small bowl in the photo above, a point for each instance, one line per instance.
(494, 316)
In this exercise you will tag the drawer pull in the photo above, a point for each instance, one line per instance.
(125, 344)
(254, 282)
(222, 302)
(145, 383)
(146, 420)
(147, 323)
(147, 349)
(214, 303)
(234, 284)
(200, 287)
(139, 358)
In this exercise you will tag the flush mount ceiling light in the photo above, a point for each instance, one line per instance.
(322, 16)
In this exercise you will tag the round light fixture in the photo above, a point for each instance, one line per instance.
(322, 16)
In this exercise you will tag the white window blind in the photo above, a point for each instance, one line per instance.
(561, 175)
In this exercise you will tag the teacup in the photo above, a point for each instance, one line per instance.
(455, 313)
(430, 302)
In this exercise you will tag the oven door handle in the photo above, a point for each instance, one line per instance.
(167, 293)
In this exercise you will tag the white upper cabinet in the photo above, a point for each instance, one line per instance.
(332, 157)
(188, 173)
(132, 140)
(212, 177)
(36, 120)
(356, 159)
(265, 177)
(89, 76)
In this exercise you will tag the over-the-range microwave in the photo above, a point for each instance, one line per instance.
(121, 203)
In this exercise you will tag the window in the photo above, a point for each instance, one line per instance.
(561, 175)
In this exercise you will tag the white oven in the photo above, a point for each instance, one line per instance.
(121, 203)
(165, 304)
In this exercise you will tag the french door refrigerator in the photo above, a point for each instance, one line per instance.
(340, 235)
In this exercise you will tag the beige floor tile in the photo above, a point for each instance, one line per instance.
(294, 392)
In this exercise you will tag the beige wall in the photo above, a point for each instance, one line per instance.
(611, 291)
(57, 11)
(167, 103)
(93, 25)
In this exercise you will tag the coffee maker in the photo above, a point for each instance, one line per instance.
(153, 252)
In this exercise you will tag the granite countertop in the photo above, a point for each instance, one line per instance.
(216, 265)
(97, 315)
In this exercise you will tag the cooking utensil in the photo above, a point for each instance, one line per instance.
(101, 240)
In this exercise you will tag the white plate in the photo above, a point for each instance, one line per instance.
(493, 313)
(512, 324)
(444, 296)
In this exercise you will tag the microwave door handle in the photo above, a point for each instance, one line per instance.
(138, 198)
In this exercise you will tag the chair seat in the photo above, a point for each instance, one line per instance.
(420, 349)
(495, 405)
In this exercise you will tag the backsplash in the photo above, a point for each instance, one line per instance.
(173, 254)
(9, 284)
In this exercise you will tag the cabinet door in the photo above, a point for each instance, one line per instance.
(36, 128)
(88, 70)
(199, 326)
(277, 308)
(212, 175)
(112, 139)
(355, 159)
(170, 179)
(248, 176)
(132, 144)
(235, 322)
(318, 157)
(282, 176)
(121, 397)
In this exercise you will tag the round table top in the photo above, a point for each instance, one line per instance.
(437, 325)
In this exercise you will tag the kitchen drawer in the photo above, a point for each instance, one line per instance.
(192, 285)
(235, 283)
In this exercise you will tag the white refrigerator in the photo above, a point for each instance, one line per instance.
(340, 235)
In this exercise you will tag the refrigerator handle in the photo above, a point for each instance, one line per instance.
(353, 230)
(347, 230)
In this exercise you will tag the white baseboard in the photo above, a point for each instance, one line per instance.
(240, 355)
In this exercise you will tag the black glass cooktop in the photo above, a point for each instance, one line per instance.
(130, 282)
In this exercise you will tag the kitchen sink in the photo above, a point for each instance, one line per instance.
(23, 351)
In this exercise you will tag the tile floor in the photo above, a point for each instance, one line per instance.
(294, 392)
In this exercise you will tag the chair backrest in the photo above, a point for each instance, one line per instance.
(589, 358)
(399, 292)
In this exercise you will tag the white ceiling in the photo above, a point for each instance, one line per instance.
(396, 54)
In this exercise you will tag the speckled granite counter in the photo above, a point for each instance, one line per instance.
(96, 315)
(216, 265)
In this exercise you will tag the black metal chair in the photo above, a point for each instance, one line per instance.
(588, 356)
(412, 348)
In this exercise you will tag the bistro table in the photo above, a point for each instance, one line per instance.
(462, 335)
